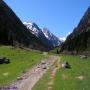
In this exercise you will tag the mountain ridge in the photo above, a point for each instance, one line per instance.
(44, 35)
(78, 42)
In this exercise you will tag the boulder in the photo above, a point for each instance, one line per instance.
(66, 65)
(83, 56)
(4, 60)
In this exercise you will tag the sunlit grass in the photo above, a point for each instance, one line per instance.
(20, 61)
(76, 78)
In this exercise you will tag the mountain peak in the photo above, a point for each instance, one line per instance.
(47, 33)
(43, 34)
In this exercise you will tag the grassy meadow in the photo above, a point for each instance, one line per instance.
(20, 61)
(76, 78)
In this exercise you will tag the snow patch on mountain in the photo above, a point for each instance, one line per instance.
(55, 40)
(47, 33)
(33, 28)
(64, 38)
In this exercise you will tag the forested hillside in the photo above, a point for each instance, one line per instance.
(79, 40)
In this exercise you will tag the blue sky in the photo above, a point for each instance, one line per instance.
(59, 16)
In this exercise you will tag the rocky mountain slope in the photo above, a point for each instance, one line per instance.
(78, 42)
(44, 35)
(13, 32)
(51, 37)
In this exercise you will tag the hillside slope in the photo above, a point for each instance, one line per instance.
(13, 32)
(79, 40)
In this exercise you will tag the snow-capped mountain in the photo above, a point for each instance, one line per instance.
(55, 41)
(34, 29)
(47, 34)
(44, 35)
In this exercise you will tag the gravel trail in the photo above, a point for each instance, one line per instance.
(30, 78)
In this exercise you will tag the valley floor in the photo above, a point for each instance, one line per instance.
(75, 78)
(31, 70)
(30, 78)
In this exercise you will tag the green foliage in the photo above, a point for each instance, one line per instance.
(42, 84)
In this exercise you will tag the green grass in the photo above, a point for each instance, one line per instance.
(53, 51)
(42, 84)
(21, 60)
(66, 79)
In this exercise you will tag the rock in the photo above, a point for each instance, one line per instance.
(19, 78)
(38, 67)
(66, 65)
(83, 57)
(63, 65)
(4, 60)
(44, 67)
(43, 62)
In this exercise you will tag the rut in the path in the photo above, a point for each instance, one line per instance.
(53, 73)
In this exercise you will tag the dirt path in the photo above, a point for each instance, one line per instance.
(29, 79)
(55, 67)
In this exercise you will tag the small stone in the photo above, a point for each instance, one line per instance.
(19, 78)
